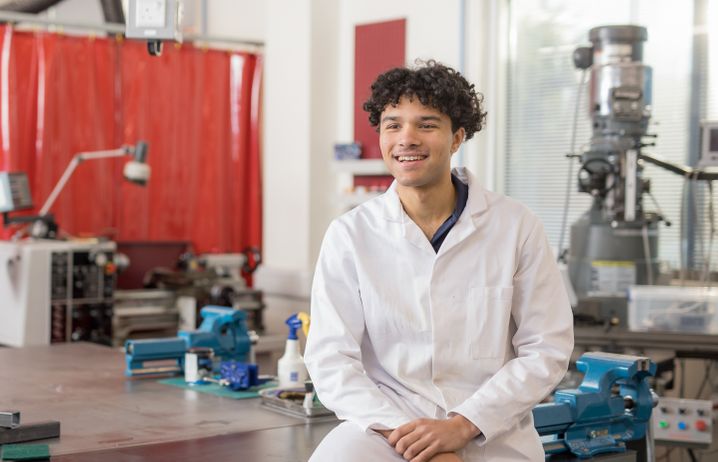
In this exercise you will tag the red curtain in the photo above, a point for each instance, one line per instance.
(198, 110)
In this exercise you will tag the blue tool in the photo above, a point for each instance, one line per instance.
(238, 375)
(223, 329)
(612, 406)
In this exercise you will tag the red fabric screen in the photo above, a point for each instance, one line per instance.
(198, 109)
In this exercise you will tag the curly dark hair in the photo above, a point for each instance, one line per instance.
(435, 85)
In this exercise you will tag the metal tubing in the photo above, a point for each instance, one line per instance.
(71, 168)
(30, 432)
(9, 419)
(9, 16)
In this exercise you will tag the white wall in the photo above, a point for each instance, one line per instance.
(239, 19)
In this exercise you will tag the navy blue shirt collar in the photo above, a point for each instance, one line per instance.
(462, 195)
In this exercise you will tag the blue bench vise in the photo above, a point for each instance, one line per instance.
(223, 329)
(612, 406)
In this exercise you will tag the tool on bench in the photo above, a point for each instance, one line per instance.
(612, 406)
(223, 329)
(9, 419)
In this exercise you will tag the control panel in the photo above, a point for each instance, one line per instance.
(56, 291)
(684, 422)
(81, 287)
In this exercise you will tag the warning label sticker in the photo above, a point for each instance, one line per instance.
(611, 277)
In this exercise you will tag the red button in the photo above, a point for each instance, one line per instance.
(701, 426)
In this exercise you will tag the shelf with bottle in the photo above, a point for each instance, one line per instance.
(358, 180)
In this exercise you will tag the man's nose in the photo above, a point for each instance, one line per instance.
(408, 137)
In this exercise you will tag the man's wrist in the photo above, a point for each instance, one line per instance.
(468, 429)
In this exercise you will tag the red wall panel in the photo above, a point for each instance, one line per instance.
(378, 48)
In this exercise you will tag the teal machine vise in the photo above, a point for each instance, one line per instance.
(611, 407)
(223, 329)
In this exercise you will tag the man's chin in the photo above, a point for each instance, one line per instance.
(413, 183)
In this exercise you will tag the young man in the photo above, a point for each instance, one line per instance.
(439, 319)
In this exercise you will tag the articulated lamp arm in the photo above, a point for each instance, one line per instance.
(137, 170)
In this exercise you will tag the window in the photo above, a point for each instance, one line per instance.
(541, 97)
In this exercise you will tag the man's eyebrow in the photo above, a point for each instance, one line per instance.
(422, 118)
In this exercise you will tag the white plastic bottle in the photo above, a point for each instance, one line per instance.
(291, 370)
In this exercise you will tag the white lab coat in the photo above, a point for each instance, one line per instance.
(482, 328)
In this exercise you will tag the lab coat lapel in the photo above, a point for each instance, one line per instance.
(394, 212)
(475, 204)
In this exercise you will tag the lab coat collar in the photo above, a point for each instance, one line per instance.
(475, 204)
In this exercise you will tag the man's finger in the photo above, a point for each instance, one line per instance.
(417, 448)
(400, 431)
(424, 456)
(406, 442)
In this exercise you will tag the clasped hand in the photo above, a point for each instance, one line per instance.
(422, 439)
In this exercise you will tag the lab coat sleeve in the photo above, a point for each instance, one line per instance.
(333, 354)
(543, 343)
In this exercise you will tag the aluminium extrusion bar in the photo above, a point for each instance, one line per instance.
(9, 419)
(11, 16)
(30, 432)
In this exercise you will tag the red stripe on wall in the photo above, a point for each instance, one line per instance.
(378, 48)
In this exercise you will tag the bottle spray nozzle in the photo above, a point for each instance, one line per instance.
(296, 321)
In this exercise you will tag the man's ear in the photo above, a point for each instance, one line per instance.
(457, 139)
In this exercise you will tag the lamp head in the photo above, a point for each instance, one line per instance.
(137, 170)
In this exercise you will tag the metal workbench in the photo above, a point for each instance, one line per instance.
(687, 344)
(83, 386)
(106, 416)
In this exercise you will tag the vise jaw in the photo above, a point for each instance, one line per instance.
(223, 329)
(612, 405)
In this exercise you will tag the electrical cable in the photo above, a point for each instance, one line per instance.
(706, 379)
(569, 178)
(658, 208)
(711, 219)
(698, 226)
(647, 254)
(682, 250)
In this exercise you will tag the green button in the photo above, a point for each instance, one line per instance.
(663, 424)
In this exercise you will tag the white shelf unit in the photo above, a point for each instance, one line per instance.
(346, 170)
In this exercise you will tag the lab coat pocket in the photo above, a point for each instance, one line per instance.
(489, 315)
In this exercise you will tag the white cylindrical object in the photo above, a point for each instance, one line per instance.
(197, 365)
(291, 371)
(191, 368)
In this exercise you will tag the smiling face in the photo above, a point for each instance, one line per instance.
(416, 143)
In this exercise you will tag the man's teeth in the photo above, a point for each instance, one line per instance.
(409, 158)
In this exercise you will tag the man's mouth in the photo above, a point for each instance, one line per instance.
(410, 158)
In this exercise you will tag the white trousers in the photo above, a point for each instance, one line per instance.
(349, 443)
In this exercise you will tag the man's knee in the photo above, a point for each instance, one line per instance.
(348, 442)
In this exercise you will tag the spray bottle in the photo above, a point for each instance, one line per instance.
(291, 370)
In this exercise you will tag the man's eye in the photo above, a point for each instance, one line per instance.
(391, 126)
(427, 126)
